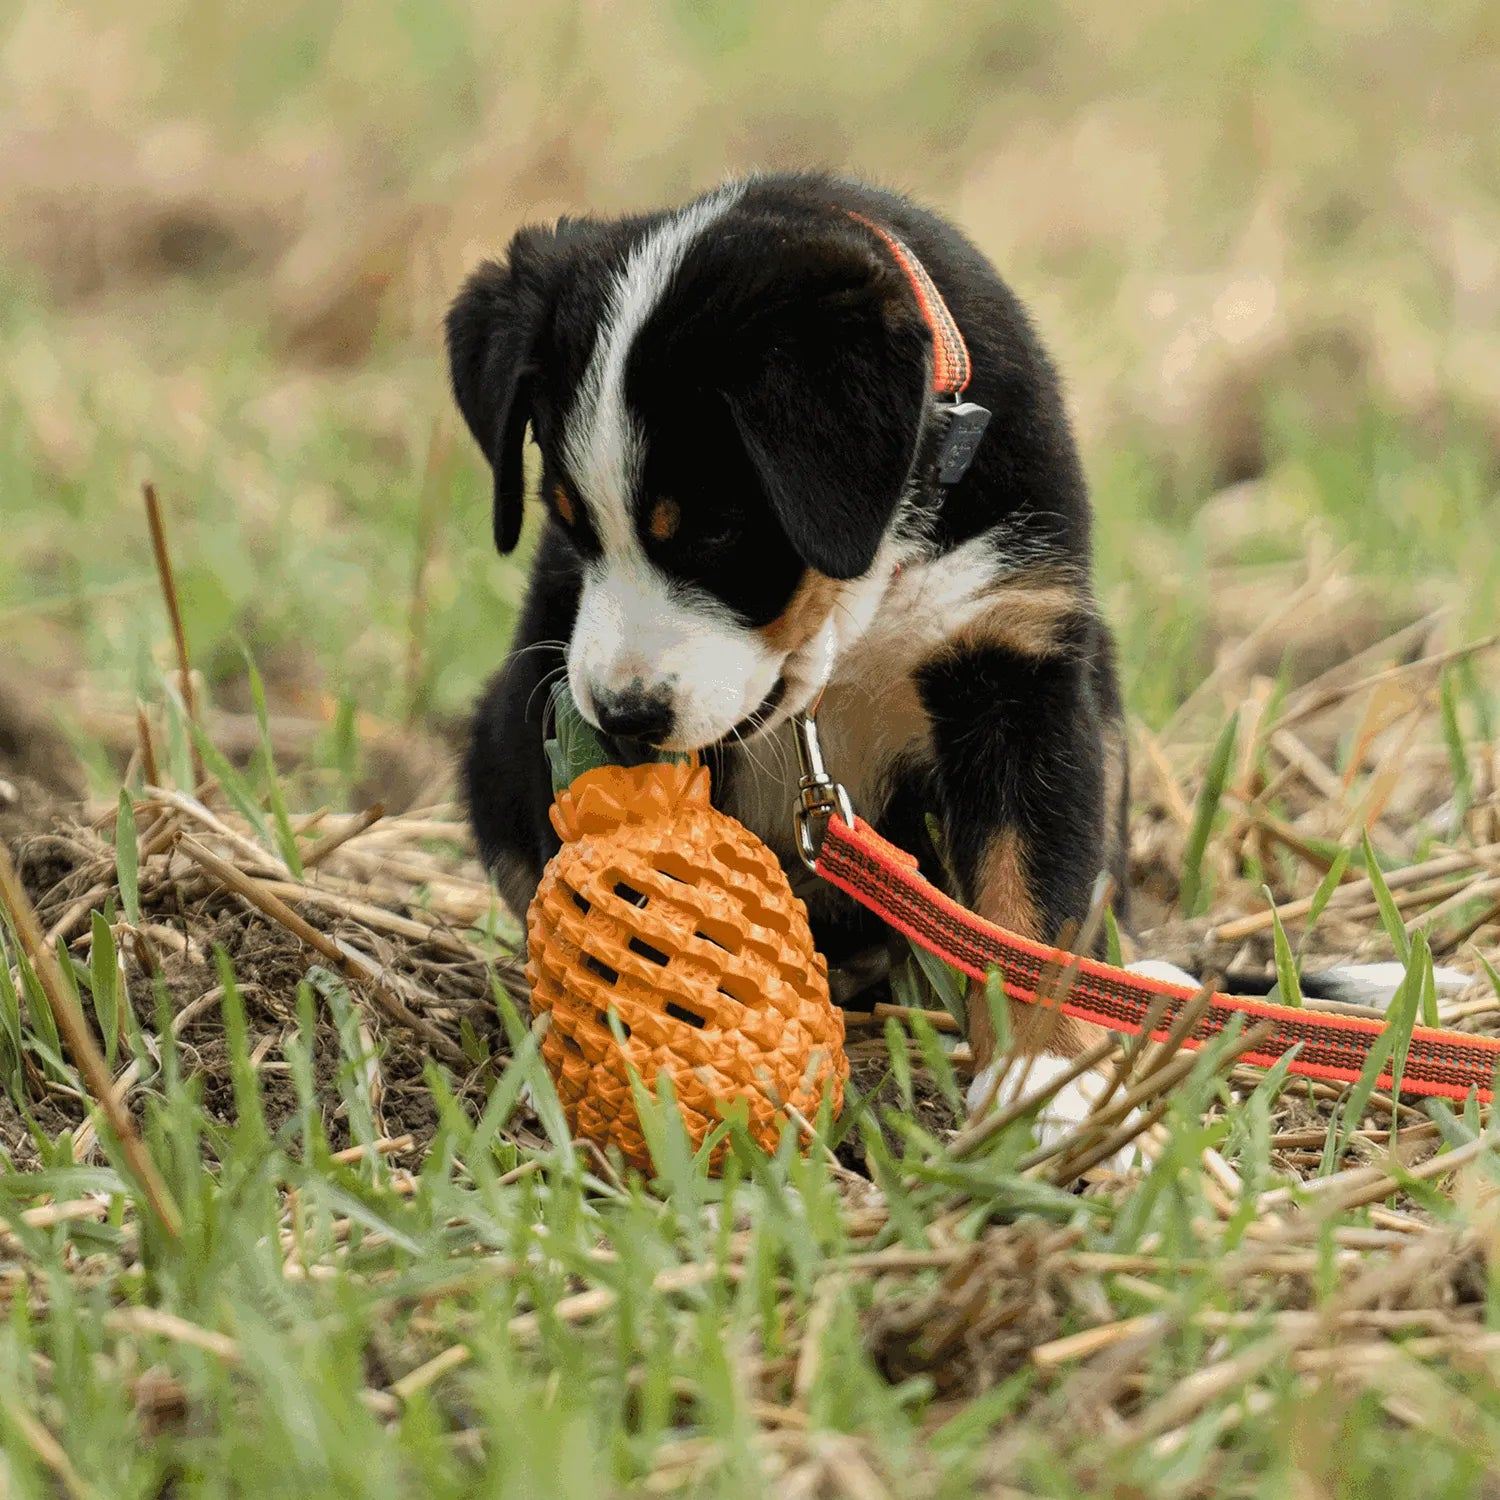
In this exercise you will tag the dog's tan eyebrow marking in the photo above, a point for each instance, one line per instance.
(665, 518)
(563, 502)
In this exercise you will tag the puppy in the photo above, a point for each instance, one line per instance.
(742, 464)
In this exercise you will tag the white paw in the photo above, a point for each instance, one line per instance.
(1372, 985)
(1166, 973)
(1062, 1114)
(1375, 985)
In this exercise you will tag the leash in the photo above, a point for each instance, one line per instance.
(851, 856)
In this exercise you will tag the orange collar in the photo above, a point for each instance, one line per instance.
(951, 366)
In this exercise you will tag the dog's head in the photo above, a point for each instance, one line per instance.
(728, 405)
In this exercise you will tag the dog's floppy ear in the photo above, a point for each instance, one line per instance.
(492, 330)
(831, 411)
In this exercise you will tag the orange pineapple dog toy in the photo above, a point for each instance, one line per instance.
(672, 914)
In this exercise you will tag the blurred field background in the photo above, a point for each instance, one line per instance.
(1262, 241)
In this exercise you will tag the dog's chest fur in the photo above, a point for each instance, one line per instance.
(872, 721)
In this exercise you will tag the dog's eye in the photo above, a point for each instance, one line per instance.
(562, 504)
(719, 537)
(716, 532)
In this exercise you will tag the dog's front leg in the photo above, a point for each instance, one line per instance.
(1023, 742)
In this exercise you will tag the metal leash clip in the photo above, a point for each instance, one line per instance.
(819, 796)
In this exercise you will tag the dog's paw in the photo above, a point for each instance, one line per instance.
(1375, 985)
(1166, 973)
(1062, 1114)
(1370, 985)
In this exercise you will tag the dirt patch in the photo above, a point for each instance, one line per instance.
(34, 753)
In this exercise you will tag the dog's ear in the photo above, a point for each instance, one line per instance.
(831, 410)
(492, 330)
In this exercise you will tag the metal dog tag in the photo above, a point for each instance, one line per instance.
(966, 423)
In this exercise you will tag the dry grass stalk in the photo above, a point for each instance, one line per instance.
(352, 830)
(1465, 866)
(149, 767)
(939, 1020)
(174, 616)
(347, 960)
(990, 1125)
(48, 1450)
(86, 1136)
(1311, 700)
(1249, 646)
(82, 1046)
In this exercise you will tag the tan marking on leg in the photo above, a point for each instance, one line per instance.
(1116, 796)
(1005, 898)
(803, 617)
(1115, 762)
(1005, 892)
(1025, 614)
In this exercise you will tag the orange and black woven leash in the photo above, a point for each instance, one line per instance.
(886, 880)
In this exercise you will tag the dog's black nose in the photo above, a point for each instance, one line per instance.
(634, 715)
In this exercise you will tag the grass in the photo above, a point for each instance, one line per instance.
(1258, 244)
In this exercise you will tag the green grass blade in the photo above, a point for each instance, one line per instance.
(243, 1077)
(947, 983)
(11, 1065)
(38, 1011)
(343, 747)
(104, 982)
(286, 840)
(1287, 981)
(1113, 952)
(937, 1061)
(998, 1003)
(236, 787)
(127, 860)
(1490, 973)
(1390, 913)
(895, 1041)
(1324, 893)
(1407, 1002)
(1206, 810)
(1397, 1032)
(1479, 699)
(1429, 1007)
(179, 752)
(1332, 1147)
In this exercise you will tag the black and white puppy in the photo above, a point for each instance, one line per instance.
(734, 406)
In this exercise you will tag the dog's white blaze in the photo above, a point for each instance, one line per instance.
(635, 625)
(602, 442)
